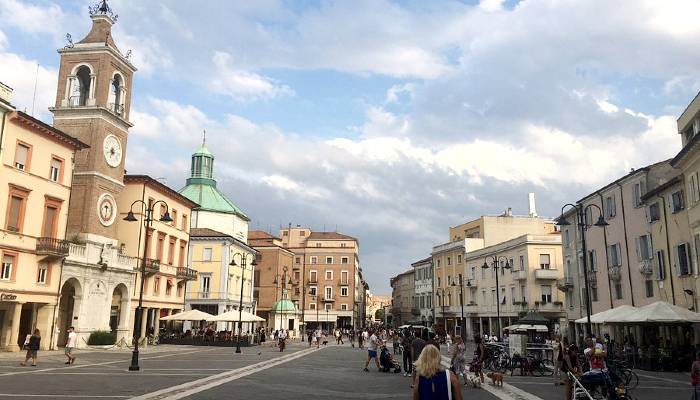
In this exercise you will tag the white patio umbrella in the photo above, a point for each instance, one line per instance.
(190, 315)
(660, 312)
(232, 316)
(611, 315)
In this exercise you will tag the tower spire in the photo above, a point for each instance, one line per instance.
(204, 137)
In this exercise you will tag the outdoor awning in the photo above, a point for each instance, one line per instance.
(611, 315)
(660, 312)
(533, 318)
(527, 327)
(232, 316)
(190, 315)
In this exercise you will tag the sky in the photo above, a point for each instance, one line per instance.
(386, 120)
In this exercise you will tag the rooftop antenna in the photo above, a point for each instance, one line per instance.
(204, 137)
(36, 78)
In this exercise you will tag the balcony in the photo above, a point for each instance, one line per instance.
(519, 275)
(151, 267)
(186, 274)
(52, 247)
(646, 268)
(329, 299)
(547, 274)
(614, 273)
(206, 295)
(549, 306)
(118, 109)
(566, 284)
(471, 307)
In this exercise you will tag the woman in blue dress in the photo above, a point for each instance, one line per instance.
(432, 381)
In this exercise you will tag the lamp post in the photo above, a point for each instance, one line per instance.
(441, 292)
(147, 219)
(462, 324)
(584, 225)
(244, 261)
(314, 297)
(494, 262)
(284, 286)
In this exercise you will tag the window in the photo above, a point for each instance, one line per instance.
(302, 233)
(644, 248)
(8, 261)
(546, 291)
(523, 293)
(512, 294)
(297, 260)
(285, 233)
(522, 263)
(15, 212)
(23, 154)
(314, 260)
(683, 259)
(173, 215)
(609, 207)
(179, 290)
(329, 275)
(344, 277)
(677, 201)
(639, 189)
(567, 239)
(449, 261)
(56, 169)
(318, 244)
(181, 254)
(329, 260)
(312, 290)
(328, 306)
(614, 256)
(329, 292)
(206, 254)
(343, 245)
(168, 288)
(171, 251)
(694, 188)
(588, 216)
(156, 285)
(159, 246)
(438, 263)
(184, 223)
(459, 258)
(544, 261)
(43, 273)
(312, 276)
(649, 288)
(653, 212)
(344, 291)
(50, 226)
(206, 282)
(344, 260)
(473, 273)
(312, 306)
(594, 293)
(618, 291)
(343, 307)
(660, 265)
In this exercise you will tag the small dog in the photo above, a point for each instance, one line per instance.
(496, 378)
(473, 381)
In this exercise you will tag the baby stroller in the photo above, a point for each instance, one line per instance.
(387, 362)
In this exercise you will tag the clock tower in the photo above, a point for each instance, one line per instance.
(93, 102)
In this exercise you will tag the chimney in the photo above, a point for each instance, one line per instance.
(531, 205)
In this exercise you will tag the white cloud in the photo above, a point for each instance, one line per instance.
(491, 5)
(396, 92)
(607, 107)
(3, 41)
(33, 18)
(243, 85)
(22, 75)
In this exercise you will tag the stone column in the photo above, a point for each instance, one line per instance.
(14, 328)
(144, 320)
(156, 320)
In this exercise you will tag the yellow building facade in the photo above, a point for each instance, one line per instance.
(35, 188)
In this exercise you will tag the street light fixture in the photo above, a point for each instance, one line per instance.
(244, 261)
(314, 297)
(462, 322)
(147, 219)
(284, 286)
(495, 264)
(583, 225)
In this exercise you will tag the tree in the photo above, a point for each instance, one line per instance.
(379, 315)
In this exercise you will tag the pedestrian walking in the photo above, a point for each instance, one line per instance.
(309, 335)
(372, 346)
(448, 342)
(351, 336)
(570, 363)
(360, 339)
(560, 348)
(477, 364)
(317, 337)
(32, 348)
(458, 360)
(282, 339)
(417, 345)
(406, 340)
(433, 382)
(70, 345)
(695, 377)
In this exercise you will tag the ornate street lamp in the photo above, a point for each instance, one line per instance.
(147, 219)
(583, 226)
(462, 322)
(494, 263)
(244, 260)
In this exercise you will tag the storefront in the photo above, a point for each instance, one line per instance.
(21, 313)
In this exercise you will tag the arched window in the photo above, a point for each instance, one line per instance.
(81, 87)
(114, 103)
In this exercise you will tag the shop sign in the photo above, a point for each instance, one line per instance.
(8, 297)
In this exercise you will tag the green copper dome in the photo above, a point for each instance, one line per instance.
(284, 305)
(201, 186)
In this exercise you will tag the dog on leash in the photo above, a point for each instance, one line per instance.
(473, 381)
(496, 378)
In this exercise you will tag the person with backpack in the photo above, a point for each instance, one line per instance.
(32, 348)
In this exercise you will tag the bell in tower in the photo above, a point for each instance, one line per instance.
(93, 102)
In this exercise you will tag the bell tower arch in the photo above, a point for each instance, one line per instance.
(93, 102)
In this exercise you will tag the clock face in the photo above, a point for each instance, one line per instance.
(112, 151)
(106, 209)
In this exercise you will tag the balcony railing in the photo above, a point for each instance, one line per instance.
(328, 299)
(549, 306)
(565, 284)
(646, 268)
(116, 108)
(152, 266)
(520, 275)
(615, 274)
(206, 295)
(52, 247)
(187, 274)
(546, 274)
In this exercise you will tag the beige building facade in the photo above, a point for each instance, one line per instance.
(35, 190)
(402, 297)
